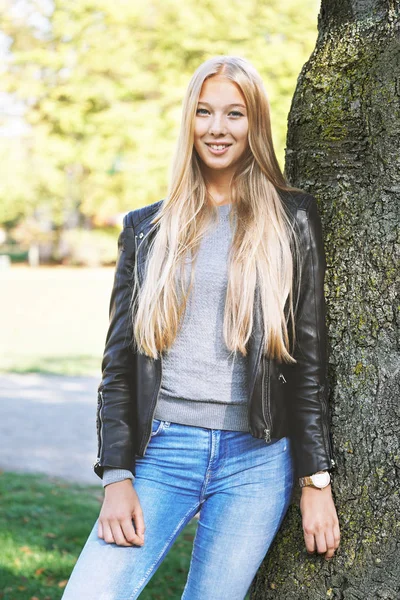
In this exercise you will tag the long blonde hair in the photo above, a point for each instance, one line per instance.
(264, 242)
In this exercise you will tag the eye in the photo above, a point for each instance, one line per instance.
(236, 113)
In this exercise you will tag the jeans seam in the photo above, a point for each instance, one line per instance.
(190, 566)
(161, 554)
(213, 454)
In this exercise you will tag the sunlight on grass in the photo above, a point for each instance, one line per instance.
(52, 365)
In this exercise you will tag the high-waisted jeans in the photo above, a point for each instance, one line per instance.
(241, 486)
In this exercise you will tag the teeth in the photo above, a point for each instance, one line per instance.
(214, 147)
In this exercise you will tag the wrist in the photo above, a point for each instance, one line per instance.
(310, 488)
(115, 474)
(121, 481)
(319, 480)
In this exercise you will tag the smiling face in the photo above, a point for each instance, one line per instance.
(221, 125)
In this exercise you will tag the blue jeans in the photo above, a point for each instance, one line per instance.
(242, 487)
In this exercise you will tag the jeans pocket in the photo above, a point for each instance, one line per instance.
(157, 427)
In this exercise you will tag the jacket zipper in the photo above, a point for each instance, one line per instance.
(154, 410)
(325, 427)
(136, 257)
(140, 235)
(98, 460)
(267, 431)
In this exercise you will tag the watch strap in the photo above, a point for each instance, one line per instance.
(304, 481)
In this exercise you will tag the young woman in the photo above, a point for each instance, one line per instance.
(214, 394)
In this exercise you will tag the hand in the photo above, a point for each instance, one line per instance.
(120, 505)
(320, 521)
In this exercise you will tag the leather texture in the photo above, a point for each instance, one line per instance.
(283, 399)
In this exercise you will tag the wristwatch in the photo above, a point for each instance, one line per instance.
(318, 480)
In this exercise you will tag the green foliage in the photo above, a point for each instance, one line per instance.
(44, 523)
(103, 85)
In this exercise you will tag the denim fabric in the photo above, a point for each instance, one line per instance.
(240, 485)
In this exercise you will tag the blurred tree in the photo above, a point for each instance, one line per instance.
(343, 146)
(103, 83)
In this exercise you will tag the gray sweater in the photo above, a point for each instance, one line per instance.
(203, 383)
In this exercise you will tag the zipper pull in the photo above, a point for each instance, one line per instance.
(282, 378)
(267, 435)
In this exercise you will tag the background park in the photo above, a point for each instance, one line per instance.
(90, 109)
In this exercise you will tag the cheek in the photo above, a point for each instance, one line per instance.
(241, 133)
(244, 133)
(200, 129)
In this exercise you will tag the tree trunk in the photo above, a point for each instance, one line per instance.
(343, 146)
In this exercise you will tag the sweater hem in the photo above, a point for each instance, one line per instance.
(211, 415)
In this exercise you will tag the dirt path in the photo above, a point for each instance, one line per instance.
(47, 425)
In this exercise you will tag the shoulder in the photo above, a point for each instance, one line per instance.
(302, 209)
(298, 202)
(140, 216)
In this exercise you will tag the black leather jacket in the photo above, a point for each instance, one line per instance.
(282, 399)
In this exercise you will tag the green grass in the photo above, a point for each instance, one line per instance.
(44, 523)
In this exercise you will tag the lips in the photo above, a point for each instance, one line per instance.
(218, 145)
(218, 149)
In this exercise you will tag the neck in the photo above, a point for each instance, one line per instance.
(218, 185)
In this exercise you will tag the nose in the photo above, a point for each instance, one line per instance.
(217, 126)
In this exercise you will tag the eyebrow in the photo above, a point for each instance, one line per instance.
(228, 105)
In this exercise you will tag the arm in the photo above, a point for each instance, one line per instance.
(312, 445)
(121, 518)
(312, 440)
(114, 406)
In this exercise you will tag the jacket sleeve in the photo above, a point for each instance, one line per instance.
(311, 439)
(114, 397)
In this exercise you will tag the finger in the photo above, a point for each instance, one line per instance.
(336, 534)
(310, 542)
(108, 536)
(330, 544)
(320, 542)
(139, 522)
(118, 534)
(100, 530)
(131, 536)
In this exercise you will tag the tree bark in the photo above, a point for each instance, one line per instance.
(343, 147)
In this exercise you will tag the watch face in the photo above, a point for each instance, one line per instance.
(321, 479)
